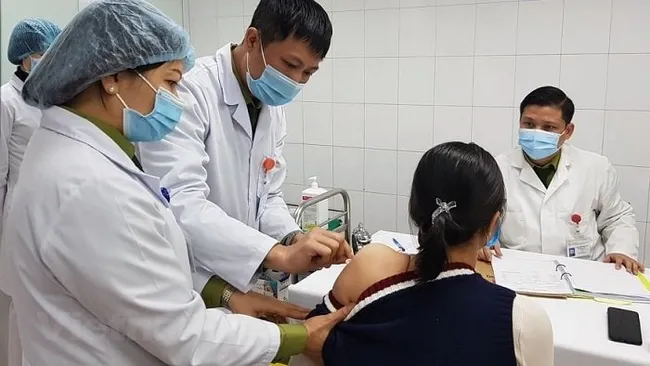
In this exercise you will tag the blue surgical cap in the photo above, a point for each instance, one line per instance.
(31, 36)
(105, 38)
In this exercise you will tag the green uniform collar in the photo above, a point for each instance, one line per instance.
(110, 131)
(553, 163)
(248, 97)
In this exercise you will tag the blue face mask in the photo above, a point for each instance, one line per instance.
(166, 114)
(273, 87)
(494, 240)
(538, 144)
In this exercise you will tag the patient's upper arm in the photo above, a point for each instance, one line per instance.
(372, 264)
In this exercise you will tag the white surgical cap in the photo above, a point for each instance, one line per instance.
(105, 38)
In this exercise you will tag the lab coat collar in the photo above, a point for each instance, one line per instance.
(76, 127)
(528, 175)
(231, 91)
(16, 82)
(68, 124)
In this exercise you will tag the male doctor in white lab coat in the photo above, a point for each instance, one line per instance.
(563, 200)
(29, 39)
(223, 164)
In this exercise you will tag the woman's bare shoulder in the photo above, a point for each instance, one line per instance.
(373, 263)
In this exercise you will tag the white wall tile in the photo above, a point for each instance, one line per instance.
(379, 212)
(494, 81)
(454, 82)
(456, 2)
(382, 33)
(356, 207)
(416, 3)
(291, 193)
(589, 129)
(417, 32)
(295, 126)
(455, 30)
(535, 71)
(346, 5)
(349, 80)
(318, 163)
(381, 126)
(586, 26)
(381, 80)
(633, 186)
(318, 123)
(249, 6)
(382, 4)
(380, 171)
(349, 125)
(203, 27)
(348, 168)
(406, 164)
(584, 79)
(349, 34)
(319, 87)
(647, 245)
(293, 154)
(452, 124)
(630, 27)
(628, 81)
(496, 29)
(626, 140)
(415, 128)
(229, 8)
(416, 80)
(492, 129)
(229, 29)
(540, 27)
(403, 220)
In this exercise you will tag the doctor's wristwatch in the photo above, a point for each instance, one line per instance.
(228, 291)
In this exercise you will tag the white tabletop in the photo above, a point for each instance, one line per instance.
(579, 326)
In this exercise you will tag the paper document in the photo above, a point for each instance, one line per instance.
(530, 276)
(604, 279)
(408, 242)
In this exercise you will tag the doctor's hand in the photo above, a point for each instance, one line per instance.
(317, 249)
(485, 253)
(260, 306)
(630, 264)
(318, 328)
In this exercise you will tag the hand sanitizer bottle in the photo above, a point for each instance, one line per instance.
(318, 213)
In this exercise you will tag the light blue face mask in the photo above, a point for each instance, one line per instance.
(273, 87)
(166, 114)
(494, 240)
(538, 144)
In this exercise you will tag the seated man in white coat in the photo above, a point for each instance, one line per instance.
(223, 164)
(563, 200)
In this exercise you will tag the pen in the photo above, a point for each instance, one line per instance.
(399, 245)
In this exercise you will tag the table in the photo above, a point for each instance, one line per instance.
(579, 326)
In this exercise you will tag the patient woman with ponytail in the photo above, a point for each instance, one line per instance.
(433, 308)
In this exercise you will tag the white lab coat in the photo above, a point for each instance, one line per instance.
(100, 270)
(231, 211)
(539, 219)
(18, 121)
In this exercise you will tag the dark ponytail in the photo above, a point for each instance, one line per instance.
(466, 175)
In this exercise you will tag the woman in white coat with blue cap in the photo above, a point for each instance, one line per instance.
(100, 271)
(29, 39)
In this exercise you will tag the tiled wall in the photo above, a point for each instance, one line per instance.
(404, 75)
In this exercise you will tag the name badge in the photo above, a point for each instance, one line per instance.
(578, 249)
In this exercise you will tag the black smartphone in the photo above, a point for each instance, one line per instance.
(624, 326)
